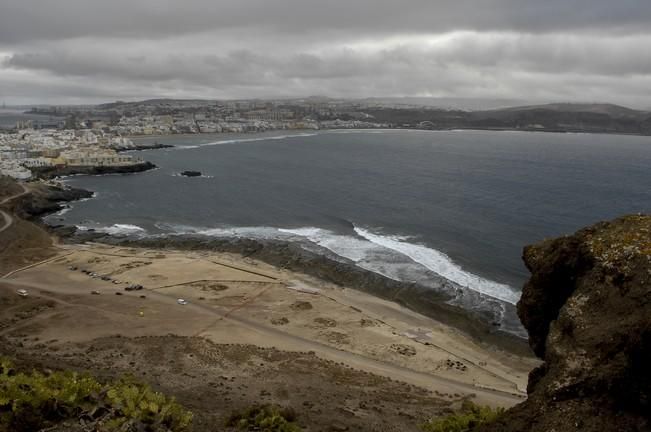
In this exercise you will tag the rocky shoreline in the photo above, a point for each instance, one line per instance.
(47, 173)
(142, 147)
(45, 200)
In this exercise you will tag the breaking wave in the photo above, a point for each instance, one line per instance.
(392, 256)
(442, 265)
(115, 229)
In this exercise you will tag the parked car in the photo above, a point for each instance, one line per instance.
(22, 292)
(181, 301)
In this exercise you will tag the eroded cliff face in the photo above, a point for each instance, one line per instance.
(587, 307)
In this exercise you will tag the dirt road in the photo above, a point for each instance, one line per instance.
(8, 218)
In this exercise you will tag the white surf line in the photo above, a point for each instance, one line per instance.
(442, 265)
(244, 140)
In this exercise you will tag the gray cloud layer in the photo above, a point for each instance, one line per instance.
(76, 50)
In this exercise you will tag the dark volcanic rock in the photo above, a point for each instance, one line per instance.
(46, 200)
(587, 307)
(52, 172)
(141, 147)
(191, 173)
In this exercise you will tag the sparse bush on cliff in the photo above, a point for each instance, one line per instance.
(470, 416)
(33, 401)
(265, 418)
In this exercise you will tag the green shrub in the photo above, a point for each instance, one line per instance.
(139, 403)
(32, 401)
(265, 418)
(468, 417)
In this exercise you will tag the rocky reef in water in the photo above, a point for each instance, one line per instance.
(142, 147)
(191, 173)
(587, 307)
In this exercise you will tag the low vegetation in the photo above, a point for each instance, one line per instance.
(265, 418)
(34, 401)
(470, 416)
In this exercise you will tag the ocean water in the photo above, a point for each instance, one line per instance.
(410, 205)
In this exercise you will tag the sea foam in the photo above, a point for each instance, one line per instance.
(116, 229)
(442, 265)
(390, 256)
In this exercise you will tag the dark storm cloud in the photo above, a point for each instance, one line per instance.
(524, 49)
(23, 20)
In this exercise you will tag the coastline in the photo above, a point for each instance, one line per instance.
(272, 300)
(48, 173)
(143, 147)
(410, 128)
(291, 257)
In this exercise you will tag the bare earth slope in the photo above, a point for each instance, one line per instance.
(21, 242)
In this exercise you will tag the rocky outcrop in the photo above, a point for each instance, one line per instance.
(142, 147)
(44, 200)
(587, 307)
(52, 172)
(191, 173)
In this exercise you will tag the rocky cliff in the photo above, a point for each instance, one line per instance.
(46, 199)
(587, 307)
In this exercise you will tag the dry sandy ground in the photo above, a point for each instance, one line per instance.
(251, 333)
(232, 300)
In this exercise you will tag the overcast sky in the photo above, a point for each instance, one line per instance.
(87, 51)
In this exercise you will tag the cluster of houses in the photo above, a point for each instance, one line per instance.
(26, 149)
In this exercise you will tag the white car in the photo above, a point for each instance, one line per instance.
(22, 292)
(182, 301)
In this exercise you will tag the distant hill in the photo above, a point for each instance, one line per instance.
(465, 104)
(452, 113)
(558, 117)
(611, 110)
